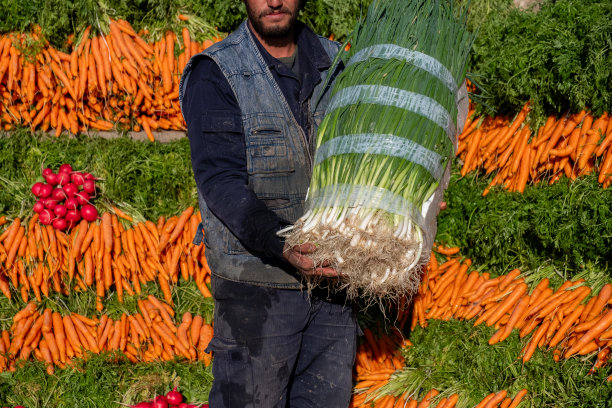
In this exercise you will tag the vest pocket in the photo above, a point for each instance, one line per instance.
(268, 152)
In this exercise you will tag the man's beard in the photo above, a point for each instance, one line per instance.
(275, 30)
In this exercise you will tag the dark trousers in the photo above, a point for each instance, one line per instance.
(280, 348)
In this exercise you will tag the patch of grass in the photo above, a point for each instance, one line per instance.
(104, 380)
(567, 225)
(454, 356)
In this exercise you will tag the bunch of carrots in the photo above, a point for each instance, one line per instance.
(146, 336)
(105, 82)
(560, 319)
(572, 145)
(36, 257)
(377, 360)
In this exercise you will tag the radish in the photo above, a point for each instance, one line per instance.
(88, 176)
(71, 203)
(47, 171)
(51, 178)
(73, 216)
(60, 224)
(142, 405)
(49, 203)
(65, 168)
(36, 188)
(174, 397)
(77, 178)
(82, 197)
(45, 216)
(60, 210)
(58, 194)
(89, 186)
(38, 207)
(45, 190)
(63, 178)
(160, 402)
(89, 212)
(71, 189)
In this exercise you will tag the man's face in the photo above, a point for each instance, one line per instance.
(272, 18)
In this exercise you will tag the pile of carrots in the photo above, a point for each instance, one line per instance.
(572, 145)
(379, 358)
(117, 80)
(37, 258)
(562, 319)
(150, 335)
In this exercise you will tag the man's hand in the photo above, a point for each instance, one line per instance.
(298, 257)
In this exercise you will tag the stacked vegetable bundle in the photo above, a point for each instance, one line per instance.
(384, 146)
(101, 254)
(146, 336)
(115, 80)
(572, 145)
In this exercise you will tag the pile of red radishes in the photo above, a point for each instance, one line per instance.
(65, 197)
(173, 399)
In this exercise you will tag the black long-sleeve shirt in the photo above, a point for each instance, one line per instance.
(218, 152)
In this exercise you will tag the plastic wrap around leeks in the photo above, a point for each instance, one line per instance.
(385, 144)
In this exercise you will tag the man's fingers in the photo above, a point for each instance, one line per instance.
(306, 248)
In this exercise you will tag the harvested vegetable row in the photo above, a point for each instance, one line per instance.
(108, 81)
(151, 335)
(101, 254)
(572, 145)
(566, 319)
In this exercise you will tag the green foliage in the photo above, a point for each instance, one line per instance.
(106, 380)
(153, 179)
(567, 225)
(453, 356)
(560, 57)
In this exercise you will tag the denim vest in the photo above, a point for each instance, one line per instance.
(279, 156)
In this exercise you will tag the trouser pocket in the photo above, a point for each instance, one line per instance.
(233, 375)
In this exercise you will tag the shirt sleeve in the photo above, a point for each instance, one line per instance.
(218, 158)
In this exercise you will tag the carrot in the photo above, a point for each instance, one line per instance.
(605, 294)
(517, 398)
(498, 398)
(107, 231)
(602, 324)
(121, 214)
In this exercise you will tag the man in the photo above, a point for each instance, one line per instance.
(252, 104)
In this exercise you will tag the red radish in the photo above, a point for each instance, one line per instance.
(73, 216)
(89, 212)
(142, 405)
(82, 197)
(71, 203)
(71, 189)
(58, 194)
(51, 178)
(39, 206)
(46, 190)
(60, 224)
(45, 216)
(174, 397)
(186, 405)
(63, 178)
(160, 402)
(89, 186)
(88, 176)
(65, 168)
(60, 210)
(77, 178)
(36, 188)
(49, 203)
(47, 171)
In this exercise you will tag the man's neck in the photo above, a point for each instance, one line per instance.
(277, 47)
